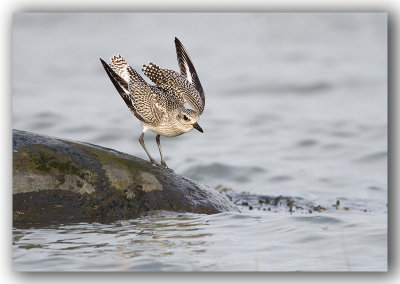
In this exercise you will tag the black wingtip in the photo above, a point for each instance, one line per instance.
(177, 41)
(103, 62)
(114, 77)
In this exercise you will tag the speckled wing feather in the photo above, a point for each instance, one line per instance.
(163, 78)
(147, 101)
(134, 92)
(175, 84)
(187, 69)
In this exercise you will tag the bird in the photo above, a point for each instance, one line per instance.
(160, 107)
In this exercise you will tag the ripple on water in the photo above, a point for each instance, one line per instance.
(48, 115)
(318, 219)
(79, 129)
(216, 170)
(371, 158)
(280, 178)
(307, 143)
(375, 188)
(45, 120)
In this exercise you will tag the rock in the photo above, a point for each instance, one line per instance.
(58, 181)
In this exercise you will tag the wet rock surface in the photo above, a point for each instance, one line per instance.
(58, 181)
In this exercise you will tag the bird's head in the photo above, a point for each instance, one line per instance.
(187, 120)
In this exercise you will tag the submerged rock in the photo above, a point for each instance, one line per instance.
(58, 181)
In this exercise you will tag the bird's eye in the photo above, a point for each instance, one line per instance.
(185, 117)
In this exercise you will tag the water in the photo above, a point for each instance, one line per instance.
(225, 242)
(296, 105)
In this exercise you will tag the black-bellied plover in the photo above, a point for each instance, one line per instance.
(160, 108)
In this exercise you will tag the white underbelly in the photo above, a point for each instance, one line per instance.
(163, 129)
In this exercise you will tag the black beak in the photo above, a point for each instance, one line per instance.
(197, 126)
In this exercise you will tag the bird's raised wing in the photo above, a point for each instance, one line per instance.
(175, 84)
(140, 98)
(187, 69)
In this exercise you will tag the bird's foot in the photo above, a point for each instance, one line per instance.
(162, 165)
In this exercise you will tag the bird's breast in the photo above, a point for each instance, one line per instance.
(167, 128)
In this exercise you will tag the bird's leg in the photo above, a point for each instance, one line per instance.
(163, 163)
(147, 152)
